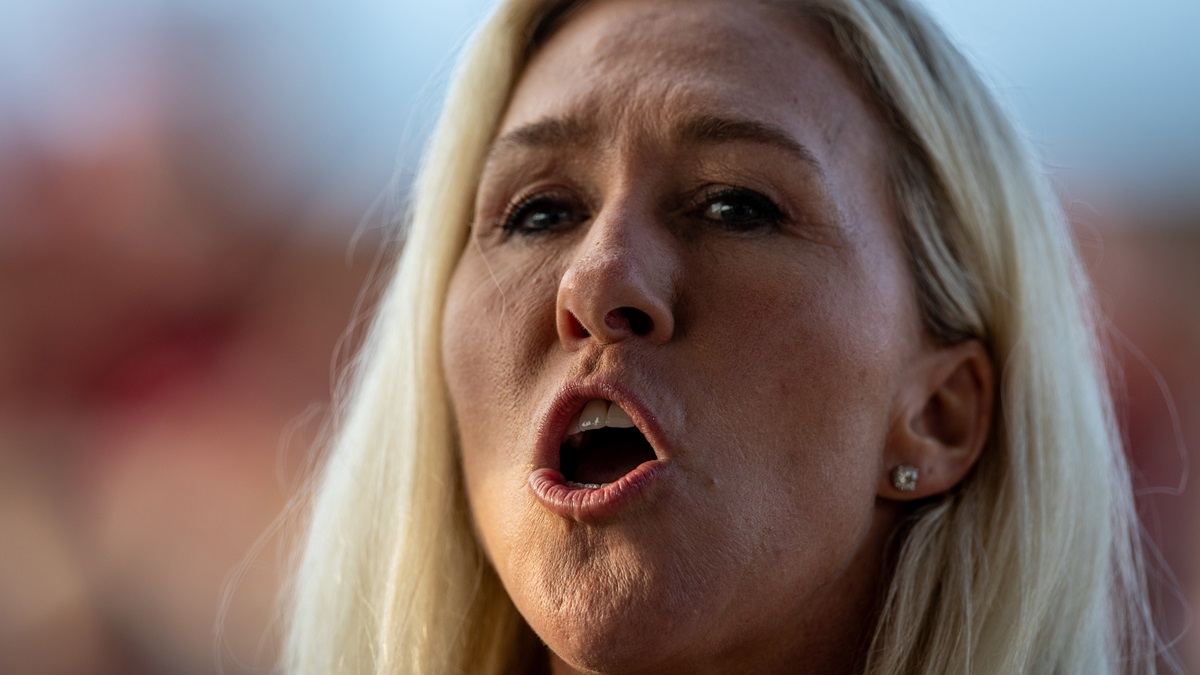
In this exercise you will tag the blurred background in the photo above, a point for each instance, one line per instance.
(193, 192)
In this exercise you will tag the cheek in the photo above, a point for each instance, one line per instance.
(810, 343)
(494, 331)
(806, 359)
(493, 342)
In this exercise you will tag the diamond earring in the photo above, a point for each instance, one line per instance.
(904, 478)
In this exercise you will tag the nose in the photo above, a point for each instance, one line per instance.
(621, 284)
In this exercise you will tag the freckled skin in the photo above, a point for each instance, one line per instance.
(773, 363)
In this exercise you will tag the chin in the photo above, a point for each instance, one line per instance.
(622, 646)
(605, 614)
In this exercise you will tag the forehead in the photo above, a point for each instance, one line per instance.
(652, 64)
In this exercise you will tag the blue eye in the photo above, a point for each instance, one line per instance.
(740, 209)
(539, 214)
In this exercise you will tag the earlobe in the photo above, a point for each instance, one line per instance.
(944, 419)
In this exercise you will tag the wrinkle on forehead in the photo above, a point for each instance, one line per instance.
(684, 22)
(609, 66)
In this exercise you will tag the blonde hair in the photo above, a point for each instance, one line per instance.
(1031, 566)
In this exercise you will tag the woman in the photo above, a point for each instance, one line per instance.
(728, 337)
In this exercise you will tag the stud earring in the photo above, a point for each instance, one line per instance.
(904, 478)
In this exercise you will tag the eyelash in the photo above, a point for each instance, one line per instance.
(521, 207)
(770, 216)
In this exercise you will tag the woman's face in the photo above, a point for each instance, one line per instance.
(685, 212)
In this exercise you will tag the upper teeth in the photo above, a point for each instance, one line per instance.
(597, 414)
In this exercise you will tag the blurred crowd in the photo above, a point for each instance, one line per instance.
(180, 261)
(184, 247)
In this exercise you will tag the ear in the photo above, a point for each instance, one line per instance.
(942, 420)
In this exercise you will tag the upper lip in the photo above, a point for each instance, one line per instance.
(571, 398)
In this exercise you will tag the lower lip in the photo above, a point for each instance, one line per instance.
(591, 504)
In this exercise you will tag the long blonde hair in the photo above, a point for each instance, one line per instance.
(1032, 566)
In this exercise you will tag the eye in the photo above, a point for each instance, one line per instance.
(539, 214)
(740, 209)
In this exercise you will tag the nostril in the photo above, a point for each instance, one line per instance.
(576, 327)
(629, 319)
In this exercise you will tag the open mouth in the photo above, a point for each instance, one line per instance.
(601, 445)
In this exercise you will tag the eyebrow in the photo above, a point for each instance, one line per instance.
(552, 132)
(560, 132)
(712, 129)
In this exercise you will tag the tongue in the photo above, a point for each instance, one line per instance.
(605, 455)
